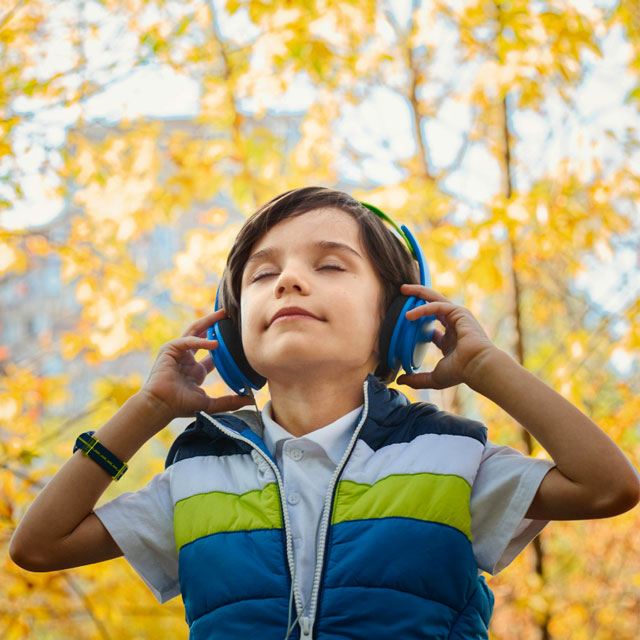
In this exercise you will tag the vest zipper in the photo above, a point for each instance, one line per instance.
(285, 514)
(306, 622)
(324, 526)
(306, 627)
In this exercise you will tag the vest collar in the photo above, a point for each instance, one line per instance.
(385, 407)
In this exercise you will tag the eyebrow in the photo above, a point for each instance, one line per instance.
(331, 245)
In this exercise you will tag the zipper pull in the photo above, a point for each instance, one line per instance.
(305, 625)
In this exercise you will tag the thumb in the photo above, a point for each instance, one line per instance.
(418, 380)
(227, 403)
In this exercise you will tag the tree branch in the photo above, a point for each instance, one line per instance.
(7, 16)
(102, 630)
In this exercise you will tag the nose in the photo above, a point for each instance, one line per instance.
(290, 280)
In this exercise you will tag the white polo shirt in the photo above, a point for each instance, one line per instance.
(307, 464)
(141, 522)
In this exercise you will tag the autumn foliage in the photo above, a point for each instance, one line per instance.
(523, 194)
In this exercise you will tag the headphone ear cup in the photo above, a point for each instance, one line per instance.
(403, 342)
(230, 359)
(389, 365)
(411, 338)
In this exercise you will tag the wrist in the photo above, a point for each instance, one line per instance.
(136, 422)
(481, 371)
(157, 412)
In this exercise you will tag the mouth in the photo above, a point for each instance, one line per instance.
(292, 313)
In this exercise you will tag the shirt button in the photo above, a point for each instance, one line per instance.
(296, 454)
(293, 498)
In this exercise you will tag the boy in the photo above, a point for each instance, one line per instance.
(342, 510)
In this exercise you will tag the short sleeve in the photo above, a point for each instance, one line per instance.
(506, 483)
(141, 523)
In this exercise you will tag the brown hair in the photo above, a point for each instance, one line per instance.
(390, 257)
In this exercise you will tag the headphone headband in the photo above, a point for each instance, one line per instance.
(414, 247)
(384, 216)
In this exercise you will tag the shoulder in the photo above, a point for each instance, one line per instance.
(502, 466)
(406, 422)
(393, 418)
(203, 438)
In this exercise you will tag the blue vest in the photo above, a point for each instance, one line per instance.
(394, 551)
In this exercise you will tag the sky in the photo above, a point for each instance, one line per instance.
(380, 127)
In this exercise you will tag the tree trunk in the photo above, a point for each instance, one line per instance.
(519, 344)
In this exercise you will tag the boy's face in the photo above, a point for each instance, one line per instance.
(316, 262)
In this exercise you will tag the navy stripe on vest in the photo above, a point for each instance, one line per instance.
(419, 419)
(201, 438)
(392, 419)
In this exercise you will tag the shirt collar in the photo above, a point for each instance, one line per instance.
(333, 438)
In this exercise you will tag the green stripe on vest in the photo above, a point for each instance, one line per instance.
(423, 496)
(206, 513)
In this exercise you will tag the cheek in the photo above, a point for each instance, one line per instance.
(378, 309)
(367, 319)
(244, 316)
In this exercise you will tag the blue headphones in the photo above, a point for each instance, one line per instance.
(401, 342)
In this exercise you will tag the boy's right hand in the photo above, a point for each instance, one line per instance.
(174, 381)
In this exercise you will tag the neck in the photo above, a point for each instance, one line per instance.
(302, 406)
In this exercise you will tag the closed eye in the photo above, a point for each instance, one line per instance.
(266, 274)
(263, 275)
(331, 266)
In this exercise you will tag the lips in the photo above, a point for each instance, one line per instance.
(292, 311)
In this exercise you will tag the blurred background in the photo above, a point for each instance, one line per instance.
(137, 135)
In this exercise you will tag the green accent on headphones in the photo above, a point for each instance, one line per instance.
(384, 216)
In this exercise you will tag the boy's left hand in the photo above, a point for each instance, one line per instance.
(464, 343)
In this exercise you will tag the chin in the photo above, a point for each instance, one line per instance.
(295, 362)
(301, 368)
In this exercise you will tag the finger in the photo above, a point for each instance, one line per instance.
(194, 343)
(417, 380)
(437, 338)
(207, 363)
(228, 403)
(439, 308)
(421, 291)
(202, 324)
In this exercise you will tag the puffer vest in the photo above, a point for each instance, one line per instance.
(394, 555)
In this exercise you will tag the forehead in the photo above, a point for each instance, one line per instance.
(326, 224)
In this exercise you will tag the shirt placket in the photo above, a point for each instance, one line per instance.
(293, 496)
